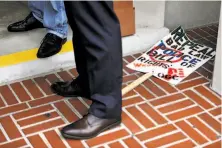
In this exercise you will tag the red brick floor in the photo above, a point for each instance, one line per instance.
(155, 114)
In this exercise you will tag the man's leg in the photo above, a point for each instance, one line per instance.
(79, 86)
(100, 35)
(36, 9)
(54, 18)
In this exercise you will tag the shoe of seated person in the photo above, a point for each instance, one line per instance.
(51, 45)
(29, 23)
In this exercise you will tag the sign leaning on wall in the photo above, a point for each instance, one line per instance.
(173, 58)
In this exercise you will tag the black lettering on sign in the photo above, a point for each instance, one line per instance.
(190, 66)
(141, 59)
(210, 52)
(148, 61)
(177, 39)
(160, 56)
(164, 65)
(191, 53)
(194, 61)
(181, 48)
(182, 40)
(164, 58)
(184, 64)
(170, 59)
(167, 77)
(204, 57)
(190, 44)
(174, 46)
(152, 52)
(197, 54)
(169, 41)
(178, 33)
(149, 52)
(174, 77)
(204, 51)
(197, 47)
(207, 51)
(186, 58)
(161, 75)
(193, 47)
(167, 55)
(156, 63)
(186, 44)
(180, 55)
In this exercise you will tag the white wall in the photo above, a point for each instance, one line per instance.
(149, 14)
(191, 13)
(216, 83)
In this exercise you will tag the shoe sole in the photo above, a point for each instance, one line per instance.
(52, 54)
(25, 30)
(82, 138)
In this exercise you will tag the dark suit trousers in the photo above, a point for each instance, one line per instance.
(98, 54)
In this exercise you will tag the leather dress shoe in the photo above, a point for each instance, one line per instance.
(29, 23)
(51, 45)
(69, 89)
(88, 127)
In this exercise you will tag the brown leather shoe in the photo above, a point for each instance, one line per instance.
(88, 127)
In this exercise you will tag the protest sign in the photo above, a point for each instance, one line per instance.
(173, 58)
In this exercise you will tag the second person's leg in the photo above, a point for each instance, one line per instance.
(55, 20)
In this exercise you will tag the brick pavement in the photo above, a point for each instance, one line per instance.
(155, 114)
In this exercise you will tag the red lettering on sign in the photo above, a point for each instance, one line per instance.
(167, 57)
(173, 72)
(141, 65)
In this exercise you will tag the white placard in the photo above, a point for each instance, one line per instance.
(173, 58)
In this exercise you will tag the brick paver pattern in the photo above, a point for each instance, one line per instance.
(155, 114)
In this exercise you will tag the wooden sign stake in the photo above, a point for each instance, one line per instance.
(136, 83)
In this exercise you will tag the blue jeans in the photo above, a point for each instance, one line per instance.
(52, 14)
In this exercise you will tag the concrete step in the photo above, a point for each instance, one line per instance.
(18, 50)
(24, 64)
(12, 42)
